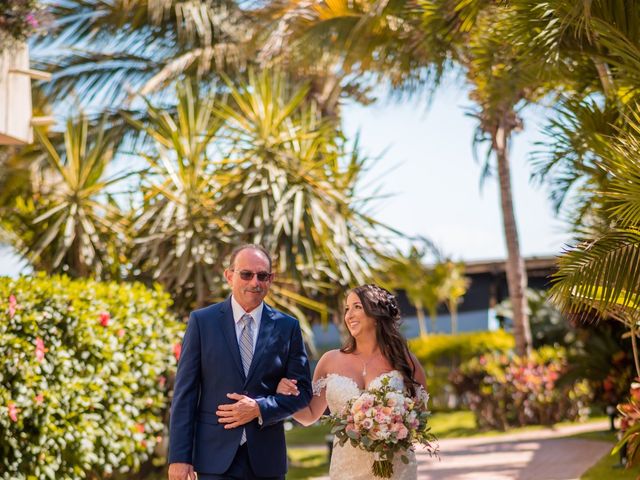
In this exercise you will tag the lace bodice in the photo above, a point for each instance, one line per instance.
(341, 389)
(352, 463)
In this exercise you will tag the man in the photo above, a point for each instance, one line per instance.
(226, 418)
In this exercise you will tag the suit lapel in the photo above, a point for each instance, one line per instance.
(229, 332)
(265, 337)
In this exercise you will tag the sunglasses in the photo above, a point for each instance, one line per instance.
(248, 275)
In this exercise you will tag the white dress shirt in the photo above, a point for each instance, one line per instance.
(256, 314)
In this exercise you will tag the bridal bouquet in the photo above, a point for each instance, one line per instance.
(384, 421)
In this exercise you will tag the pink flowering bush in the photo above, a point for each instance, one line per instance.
(384, 421)
(83, 376)
(20, 19)
(508, 391)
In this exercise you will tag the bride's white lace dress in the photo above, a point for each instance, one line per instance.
(352, 463)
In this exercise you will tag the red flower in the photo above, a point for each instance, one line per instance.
(39, 398)
(177, 349)
(13, 411)
(104, 318)
(140, 427)
(162, 380)
(13, 303)
(607, 384)
(40, 350)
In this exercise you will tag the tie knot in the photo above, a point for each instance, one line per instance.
(247, 320)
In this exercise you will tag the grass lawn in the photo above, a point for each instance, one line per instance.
(307, 463)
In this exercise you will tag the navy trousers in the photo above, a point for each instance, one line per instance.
(240, 469)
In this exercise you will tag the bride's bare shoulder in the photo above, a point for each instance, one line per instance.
(329, 362)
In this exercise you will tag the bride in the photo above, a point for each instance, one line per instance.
(375, 349)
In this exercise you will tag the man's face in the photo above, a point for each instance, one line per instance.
(249, 293)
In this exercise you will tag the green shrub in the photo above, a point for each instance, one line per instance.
(83, 373)
(509, 391)
(441, 354)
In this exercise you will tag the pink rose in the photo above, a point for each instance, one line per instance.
(13, 411)
(13, 304)
(402, 432)
(40, 350)
(367, 424)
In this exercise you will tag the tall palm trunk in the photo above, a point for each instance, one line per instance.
(453, 311)
(420, 315)
(516, 273)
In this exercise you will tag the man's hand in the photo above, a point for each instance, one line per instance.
(181, 471)
(237, 414)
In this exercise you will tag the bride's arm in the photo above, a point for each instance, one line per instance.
(312, 412)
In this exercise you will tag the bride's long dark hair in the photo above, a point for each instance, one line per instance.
(382, 306)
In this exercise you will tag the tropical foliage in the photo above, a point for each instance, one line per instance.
(70, 222)
(440, 354)
(248, 161)
(413, 46)
(85, 369)
(505, 391)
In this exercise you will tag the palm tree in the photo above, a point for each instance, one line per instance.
(593, 152)
(412, 46)
(295, 191)
(68, 220)
(426, 286)
(106, 53)
(180, 230)
(256, 164)
(454, 286)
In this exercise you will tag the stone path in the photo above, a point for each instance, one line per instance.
(536, 455)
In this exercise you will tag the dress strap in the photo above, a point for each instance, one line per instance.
(319, 385)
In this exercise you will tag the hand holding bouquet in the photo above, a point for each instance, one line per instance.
(384, 421)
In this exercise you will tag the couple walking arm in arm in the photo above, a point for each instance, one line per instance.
(226, 417)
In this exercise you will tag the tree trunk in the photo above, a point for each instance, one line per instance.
(516, 274)
(453, 311)
(420, 315)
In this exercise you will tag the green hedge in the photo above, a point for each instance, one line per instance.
(83, 376)
(442, 354)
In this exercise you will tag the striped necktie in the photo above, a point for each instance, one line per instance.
(246, 341)
(246, 353)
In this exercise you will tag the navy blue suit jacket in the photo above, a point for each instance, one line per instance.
(210, 367)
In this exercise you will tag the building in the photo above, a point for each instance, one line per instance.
(16, 118)
(476, 311)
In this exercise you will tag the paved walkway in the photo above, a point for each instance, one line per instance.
(537, 455)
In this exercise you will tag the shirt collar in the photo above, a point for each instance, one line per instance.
(238, 311)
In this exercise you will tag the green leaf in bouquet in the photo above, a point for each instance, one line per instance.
(337, 428)
(353, 434)
(404, 459)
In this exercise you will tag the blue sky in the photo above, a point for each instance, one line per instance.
(429, 165)
(434, 182)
